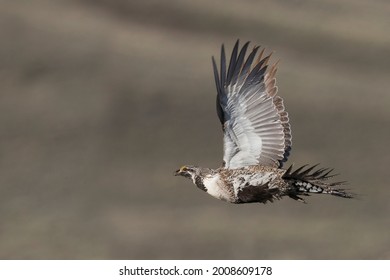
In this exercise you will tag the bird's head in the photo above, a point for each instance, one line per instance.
(195, 174)
(187, 171)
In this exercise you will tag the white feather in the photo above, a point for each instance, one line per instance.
(213, 187)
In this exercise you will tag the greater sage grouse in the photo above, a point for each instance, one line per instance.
(256, 138)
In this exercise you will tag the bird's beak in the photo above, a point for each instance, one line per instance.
(177, 172)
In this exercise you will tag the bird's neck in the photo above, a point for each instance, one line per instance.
(198, 181)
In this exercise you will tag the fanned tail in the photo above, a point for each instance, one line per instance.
(306, 181)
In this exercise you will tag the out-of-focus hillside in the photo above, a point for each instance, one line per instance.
(100, 101)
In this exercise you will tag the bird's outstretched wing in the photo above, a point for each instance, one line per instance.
(255, 124)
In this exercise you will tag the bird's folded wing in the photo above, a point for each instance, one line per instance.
(255, 124)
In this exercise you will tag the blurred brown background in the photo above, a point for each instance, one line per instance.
(100, 101)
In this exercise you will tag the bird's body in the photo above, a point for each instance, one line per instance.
(257, 139)
(254, 183)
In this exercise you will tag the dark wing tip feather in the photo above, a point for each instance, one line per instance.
(223, 66)
(216, 76)
(265, 60)
(248, 62)
(232, 64)
(239, 63)
(219, 92)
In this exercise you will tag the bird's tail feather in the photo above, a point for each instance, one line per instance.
(307, 181)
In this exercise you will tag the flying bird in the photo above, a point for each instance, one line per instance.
(256, 138)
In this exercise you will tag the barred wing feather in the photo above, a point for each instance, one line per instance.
(255, 124)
